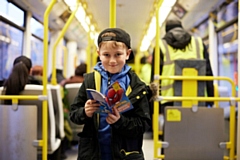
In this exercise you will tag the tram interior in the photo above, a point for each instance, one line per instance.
(215, 21)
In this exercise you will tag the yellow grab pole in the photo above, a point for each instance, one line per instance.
(112, 14)
(89, 58)
(157, 145)
(65, 61)
(54, 79)
(45, 63)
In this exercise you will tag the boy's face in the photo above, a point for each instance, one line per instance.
(113, 55)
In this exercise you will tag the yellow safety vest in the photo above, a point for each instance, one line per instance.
(193, 51)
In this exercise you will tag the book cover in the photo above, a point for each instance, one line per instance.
(114, 97)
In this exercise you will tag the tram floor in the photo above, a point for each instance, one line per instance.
(147, 148)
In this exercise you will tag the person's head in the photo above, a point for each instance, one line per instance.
(37, 70)
(173, 23)
(81, 69)
(114, 49)
(19, 76)
(25, 60)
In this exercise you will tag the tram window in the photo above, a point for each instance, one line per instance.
(227, 13)
(36, 28)
(11, 40)
(227, 53)
(36, 51)
(12, 12)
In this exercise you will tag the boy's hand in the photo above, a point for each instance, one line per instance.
(113, 117)
(90, 107)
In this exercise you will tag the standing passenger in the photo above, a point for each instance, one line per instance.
(180, 46)
(112, 136)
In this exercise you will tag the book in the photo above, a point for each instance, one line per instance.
(114, 97)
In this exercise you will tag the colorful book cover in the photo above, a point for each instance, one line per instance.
(114, 97)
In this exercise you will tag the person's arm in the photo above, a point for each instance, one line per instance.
(210, 88)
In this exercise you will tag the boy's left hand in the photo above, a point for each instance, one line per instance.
(113, 117)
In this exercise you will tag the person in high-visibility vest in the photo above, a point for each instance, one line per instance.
(179, 44)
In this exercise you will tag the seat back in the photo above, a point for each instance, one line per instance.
(193, 134)
(31, 89)
(72, 90)
(18, 130)
(198, 65)
(58, 109)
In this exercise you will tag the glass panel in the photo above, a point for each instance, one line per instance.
(227, 13)
(202, 30)
(227, 54)
(36, 28)
(12, 12)
(10, 48)
(36, 51)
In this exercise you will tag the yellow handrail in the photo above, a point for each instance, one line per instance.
(45, 66)
(156, 72)
(233, 98)
(65, 62)
(112, 14)
(63, 31)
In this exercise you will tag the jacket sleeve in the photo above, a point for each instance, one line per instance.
(210, 88)
(77, 112)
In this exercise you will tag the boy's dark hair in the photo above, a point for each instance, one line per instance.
(81, 69)
(121, 36)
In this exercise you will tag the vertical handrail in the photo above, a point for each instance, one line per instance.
(45, 66)
(156, 72)
(65, 61)
(63, 31)
(89, 58)
(112, 14)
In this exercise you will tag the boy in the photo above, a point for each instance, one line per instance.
(112, 136)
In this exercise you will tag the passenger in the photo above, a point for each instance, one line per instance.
(37, 72)
(19, 77)
(112, 136)
(145, 73)
(78, 76)
(59, 76)
(180, 41)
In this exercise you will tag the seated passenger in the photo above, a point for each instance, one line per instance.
(19, 77)
(37, 72)
(78, 77)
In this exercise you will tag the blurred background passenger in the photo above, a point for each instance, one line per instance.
(19, 77)
(145, 73)
(37, 72)
(78, 76)
(179, 44)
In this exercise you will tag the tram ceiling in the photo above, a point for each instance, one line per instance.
(130, 15)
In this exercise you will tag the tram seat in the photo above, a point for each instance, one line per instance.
(18, 125)
(53, 142)
(193, 134)
(58, 110)
(72, 90)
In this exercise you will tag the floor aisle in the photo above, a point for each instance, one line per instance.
(147, 147)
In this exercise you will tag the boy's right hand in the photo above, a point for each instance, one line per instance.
(90, 107)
